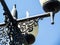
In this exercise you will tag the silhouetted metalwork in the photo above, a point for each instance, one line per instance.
(19, 31)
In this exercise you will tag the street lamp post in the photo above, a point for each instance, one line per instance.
(21, 31)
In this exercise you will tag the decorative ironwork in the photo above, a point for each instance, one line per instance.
(4, 38)
(26, 27)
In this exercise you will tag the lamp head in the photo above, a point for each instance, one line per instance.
(50, 5)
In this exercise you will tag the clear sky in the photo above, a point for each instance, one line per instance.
(47, 34)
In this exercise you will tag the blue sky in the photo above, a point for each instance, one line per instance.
(47, 34)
